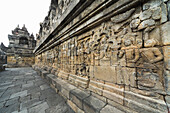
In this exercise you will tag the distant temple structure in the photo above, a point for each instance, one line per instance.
(20, 49)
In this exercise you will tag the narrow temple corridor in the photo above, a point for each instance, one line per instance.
(23, 91)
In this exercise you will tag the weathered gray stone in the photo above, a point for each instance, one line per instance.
(156, 15)
(152, 4)
(44, 73)
(135, 23)
(110, 109)
(77, 96)
(122, 17)
(146, 23)
(167, 81)
(167, 98)
(30, 103)
(145, 15)
(165, 33)
(93, 105)
(12, 101)
(60, 108)
(19, 94)
(155, 33)
(10, 108)
(168, 6)
(166, 51)
(35, 95)
(24, 99)
(45, 86)
(2, 104)
(23, 111)
(27, 85)
(39, 108)
(164, 13)
(54, 100)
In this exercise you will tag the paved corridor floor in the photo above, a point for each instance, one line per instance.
(23, 91)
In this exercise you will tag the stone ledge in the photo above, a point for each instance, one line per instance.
(85, 101)
(92, 104)
(77, 96)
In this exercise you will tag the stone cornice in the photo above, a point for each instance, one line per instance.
(103, 12)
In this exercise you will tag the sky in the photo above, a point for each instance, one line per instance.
(20, 12)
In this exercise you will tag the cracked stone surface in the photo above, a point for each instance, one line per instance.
(23, 91)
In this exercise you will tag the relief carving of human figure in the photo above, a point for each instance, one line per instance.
(151, 54)
(103, 46)
(131, 51)
(150, 73)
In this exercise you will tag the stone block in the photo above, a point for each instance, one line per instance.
(135, 23)
(165, 33)
(93, 105)
(145, 15)
(91, 72)
(112, 89)
(152, 4)
(105, 62)
(39, 108)
(50, 77)
(119, 76)
(113, 96)
(63, 75)
(44, 74)
(106, 73)
(146, 23)
(167, 81)
(65, 90)
(95, 90)
(168, 7)
(96, 84)
(72, 79)
(74, 107)
(155, 34)
(141, 107)
(145, 100)
(82, 84)
(110, 109)
(58, 84)
(114, 58)
(121, 107)
(164, 13)
(166, 52)
(156, 13)
(167, 98)
(77, 96)
(19, 94)
(102, 98)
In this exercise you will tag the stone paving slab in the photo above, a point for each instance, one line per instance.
(23, 91)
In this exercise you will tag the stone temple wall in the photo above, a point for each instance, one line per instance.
(3, 60)
(20, 49)
(101, 54)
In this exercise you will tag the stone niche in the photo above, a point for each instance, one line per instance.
(118, 51)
